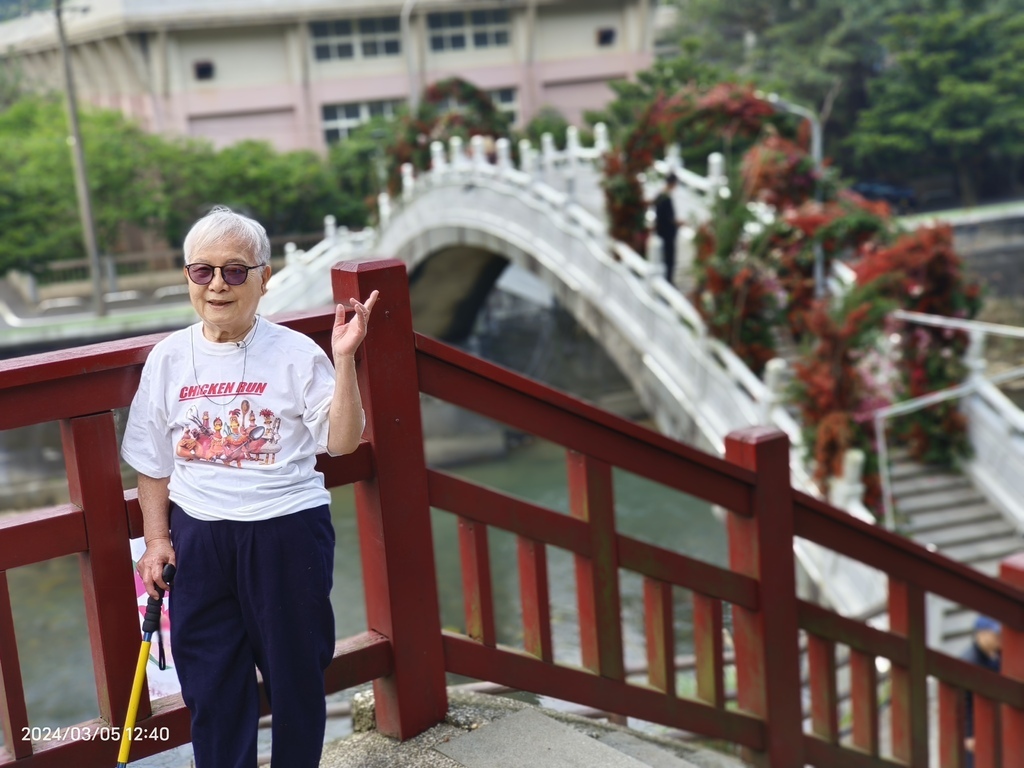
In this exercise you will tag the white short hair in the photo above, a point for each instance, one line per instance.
(222, 225)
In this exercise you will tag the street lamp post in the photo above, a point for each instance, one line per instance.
(81, 183)
(410, 62)
(816, 156)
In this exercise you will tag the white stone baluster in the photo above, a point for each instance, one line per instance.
(455, 153)
(848, 488)
(526, 157)
(408, 181)
(291, 254)
(478, 153)
(547, 154)
(438, 162)
(330, 227)
(572, 151)
(674, 159)
(601, 141)
(974, 358)
(383, 209)
(775, 384)
(503, 148)
(572, 140)
(716, 176)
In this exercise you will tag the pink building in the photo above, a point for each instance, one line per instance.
(301, 74)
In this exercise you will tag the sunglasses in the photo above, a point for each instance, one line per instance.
(232, 274)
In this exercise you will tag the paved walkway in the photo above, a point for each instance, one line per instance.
(485, 731)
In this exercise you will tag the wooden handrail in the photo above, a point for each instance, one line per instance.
(405, 653)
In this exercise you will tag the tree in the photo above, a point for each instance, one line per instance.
(950, 96)
(12, 86)
(821, 53)
(360, 167)
(143, 181)
(547, 120)
(38, 210)
(663, 78)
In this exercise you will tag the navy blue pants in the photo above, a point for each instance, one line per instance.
(247, 596)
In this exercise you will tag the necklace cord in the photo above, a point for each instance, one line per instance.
(243, 344)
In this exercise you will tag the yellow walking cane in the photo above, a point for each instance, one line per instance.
(150, 624)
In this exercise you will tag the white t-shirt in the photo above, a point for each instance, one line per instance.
(236, 428)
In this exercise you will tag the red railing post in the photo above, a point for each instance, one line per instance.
(951, 726)
(864, 702)
(767, 640)
(13, 713)
(533, 595)
(909, 683)
(597, 576)
(94, 482)
(709, 648)
(660, 635)
(1011, 570)
(393, 508)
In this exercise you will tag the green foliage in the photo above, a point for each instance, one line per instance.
(288, 192)
(733, 293)
(663, 78)
(12, 86)
(548, 120)
(360, 167)
(155, 184)
(822, 54)
(904, 88)
(450, 108)
(951, 96)
(38, 217)
(10, 9)
(39, 214)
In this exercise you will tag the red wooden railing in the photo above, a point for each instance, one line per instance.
(405, 653)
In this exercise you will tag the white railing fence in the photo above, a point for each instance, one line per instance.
(301, 284)
(995, 423)
(552, 207)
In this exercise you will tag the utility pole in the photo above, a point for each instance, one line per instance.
(405, 27)
(81, 177)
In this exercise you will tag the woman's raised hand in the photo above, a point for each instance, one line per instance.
(347, 336)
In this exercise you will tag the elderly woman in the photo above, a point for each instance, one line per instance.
(252, 541)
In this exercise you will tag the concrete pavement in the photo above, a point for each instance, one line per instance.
(485, 731)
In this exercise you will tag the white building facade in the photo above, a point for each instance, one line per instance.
(301, 74)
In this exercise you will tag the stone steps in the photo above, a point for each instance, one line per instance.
(924, 522)
(961, 497)
(941, 507)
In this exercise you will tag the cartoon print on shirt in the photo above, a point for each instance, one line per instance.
(234, 437)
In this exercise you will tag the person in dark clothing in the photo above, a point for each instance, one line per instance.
(666, 225)
(985, 651)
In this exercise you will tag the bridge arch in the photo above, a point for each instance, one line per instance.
(488, 214)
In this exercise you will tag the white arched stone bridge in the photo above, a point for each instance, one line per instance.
(459, 225)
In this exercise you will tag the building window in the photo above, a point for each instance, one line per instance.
(341, 119)
(380, 36)
(203, 70)
(606, 37)
(490, 28)
(506, 100)
(457, 30)
(363, 38)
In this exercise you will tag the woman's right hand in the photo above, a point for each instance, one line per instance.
(159, 553)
